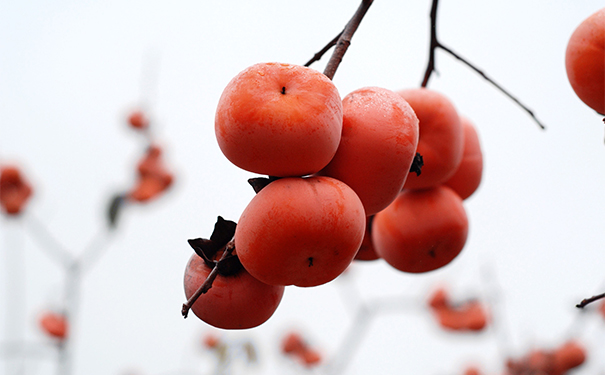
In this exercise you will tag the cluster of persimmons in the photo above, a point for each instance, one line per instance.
(376, 174)
(153, 177)
(470, 315)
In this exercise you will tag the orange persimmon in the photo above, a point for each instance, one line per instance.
(14, 190)
(585, 61)
(279, 119)
(422, 230)
(441, 139)
(467, 177)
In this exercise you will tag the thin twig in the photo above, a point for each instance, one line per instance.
(345, 39)
(434, 44)
(496, 85)
(207, 284)
(54, 249)
(323, 51)
(586, 301)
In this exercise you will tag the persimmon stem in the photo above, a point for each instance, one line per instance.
(430, 68)
(586, 301)
(345, 38)
(207, 284)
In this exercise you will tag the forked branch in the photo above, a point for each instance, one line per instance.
(341, 41)
(430, 68)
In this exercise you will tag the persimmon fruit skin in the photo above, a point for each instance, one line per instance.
(377, 147)
(569, 355)
(467, 177)
(585, 61)
(366, 250)
(279, 119)
(300, 231)
(422, 230)
(14, 190)
(441, 139)
(54, 324)
(234, 302)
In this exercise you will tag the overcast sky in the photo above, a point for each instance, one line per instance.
(70, 71)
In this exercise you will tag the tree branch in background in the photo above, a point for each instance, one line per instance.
(434, 44)
(586, 301)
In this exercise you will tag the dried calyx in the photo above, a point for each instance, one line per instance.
(218, 251)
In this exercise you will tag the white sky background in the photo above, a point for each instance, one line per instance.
(71, 70)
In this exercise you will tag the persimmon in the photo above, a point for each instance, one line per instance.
(422, 230)
(237, 301)
(468, 316)
(569, 355)
(472, 370)
(467, 177)
(293, 343)
(310, 357)
(377, 147)
(585, 61)
(279, 119)
(439, 299)
(366, 249)
(14, 190)
(441, 138)
(211, 341)
(54, 324)
(138, 120)
(154, 178)
(300, 231)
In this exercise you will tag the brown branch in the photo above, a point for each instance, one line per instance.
(434, 44)
(323, 51)
(586, 301)
(207, 284)
(529, 111)
(345, 39)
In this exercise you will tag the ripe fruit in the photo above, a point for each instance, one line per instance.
(300, 231)
(467, 177)
(294, 345)
(585, 61)
(14, 190)
(441, 140)
(211, 341)
(378, 145)
(279, 120)
(153, 176)
(138, 120)
(468, 316)
(366, 249)
(569, 355)
(54, 324)
(422, 230)
(234, 302)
